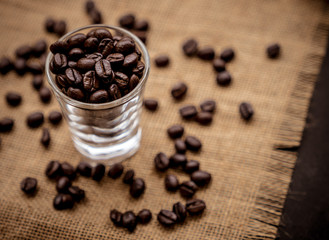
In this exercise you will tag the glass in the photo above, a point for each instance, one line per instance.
(107, 132)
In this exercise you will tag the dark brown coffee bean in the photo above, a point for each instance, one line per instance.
(227, 54)
(90, 82)
(167, 218)
(59, 61)
(29, 185)
(206, 53)
(144, 216)
(24, 51)
(273, 50)
(141, 35)
(201, 178)
(5, 65)
(96, 16)
(39, 48)
(121, 80)
(188, 112)
(35, 119)
(137, 187)
(127, 21)
(95, 56)
(73, 76)
(129, 221)
(55, 117)
(179, 90)
(141, 25)
(171, 182)
(180, 210)
(104, 70)
(106, 46)
(246, 110)
(114, 92)
(45, 94)
(86, 64)
(190, 47)
(151, 104)
(6, 124)
(84, 169)
(180, 146)
(133, 82)
(195, 206)
(97, 172)
(102, 33)
(72, 64)
(161, 162)
(20, 66)
(125, 46)
(89, 5)
(191, 166)
(13, 98)
(45, 138)
(187, 189)
(175, 131)
(219, 65)
(37, 82)
(116, 59)
(75, 93)
(223, 78)
(59, 47)
(208, 106)
(116, 217)
(54, 169)
(77, 40)
(128, 178)
(177, 160)
(204, 118)
(50, 25)
(76, 53)
(91, 44)
(34, 67)
(60, 28)
(100, 96)
(162, 61)
(193, 143)
(130, 60)
(115, 171)
(68, 170)
(62, 185)
(63, 201)
(77, 193)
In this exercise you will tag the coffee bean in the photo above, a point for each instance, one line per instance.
(171, 182)
(246, 110)
(223, 78)
(116, 59)
(114, 92)
(62, 185)
(180, 146)
(39, 48)
(77, 40)
(190, 47)
(151, 104)
(24, 51)
(195, 206)
(76, 53)
(45, 138)
(179, 90)
(59, 61)
(34, 67)
(121, 80)
(45, 94)
(29, 185)
(180, 210)
(175, 131)
(106, 46)
(141, 25)
(84, 169)
(115, 171)
(201, 178)
(204, 118)
(144, 216)
(227, 54)
(273, 50)
(167, 218)
(55, 117)
(138, 70)
(72, 64)
(59, 47)
(73, 76)
(68, 170)
(162, 61)
(60, 28)
(75, 93)
(20, 66)
(95, 56)
(219, 65)
(208, 106)
(133, 82)
(54, 169)
(129, 221)
(177, 160)
(125, 46)
(188, 112)
(13, 98)
(127, 21)
(97, 172)
(137, 187)
(193, 143)
(104, 70)
(37, 82)
(91, 44)
(187, 189)
(102, 33)
(63, 201)
(191, 166)
(161, 162)
(5, 65)
(130, 60)
(96, 16)
(6, 124)
(86, 64)
(89, 5)
(77, 193)
(129, 177)
(35, 119)
(206, 53)
(116, 217)
(100, 96)
(50, 25)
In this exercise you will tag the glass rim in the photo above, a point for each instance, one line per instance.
(106, 105)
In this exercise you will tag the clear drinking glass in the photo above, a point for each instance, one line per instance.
(107, 132)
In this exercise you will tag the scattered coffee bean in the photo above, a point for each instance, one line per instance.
(206, 53)
(161, 162)
(195, 206)
(190, 47)
(144, 216)
(55, 117)
(179, 90)
(273, 50)
(60, 28)
(177, 160)
(201, 178)
(191, 166)
(137, 187)
(54, 169)
(50, 25)
(96, 16)
(246, 110)
(97, 172)
(151, 104)
(188, 112)
(223, 78)
(90, 5)
(34, 67)
(45, 138)
(20, 66)
(35, 119)
(62, 185)
(116, 217)
(127, 21)
(187, 189)
(129, 176)
(180, 210)
(227, 54)
(208, 106)
(180, 146)
(129, 220)
(37, 82)
(175, 131)
(77, 193)
(29, 185)
(63, 201)
(219, 65)
(171, 182)
(6, 124)
(84, 169)
(13, 98)
(141, 25)
(204, 118)
(24, 51)
(115, 170)
(68, 170)
(5, 65)
(162, 61)
(39, 48)
(45, 94)
(167, 218)
(193, 143)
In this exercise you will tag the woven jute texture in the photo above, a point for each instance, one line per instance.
(250, 173)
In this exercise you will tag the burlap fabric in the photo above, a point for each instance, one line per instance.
(250, 175)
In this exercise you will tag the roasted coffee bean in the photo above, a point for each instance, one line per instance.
(106, 46)
(121, 80)
(114, 92)
(96, 16)
(45, 138)
(90, 82)
(130, 60)
(175, 131)
(77, 40)
(195, 206)
(227, 54)
(177, 160)
(34, 67)
(141, 35)
(68, 170)
(191, 166)
(179, 90)
(127, 21)
(167, 218)
(95, 56)
(125, 46)
(206, 53)
(171, 182)
(60, 28)
(139, 69)
(5, 65)
(187, 189)
(144, 216)
(201, 178)
(20, 66)
(73, 76)
(188, 112)
(75, 93)
(24, 51)
(6, 124)
(208, 106)
(115, 171)
(161, 161)
(59, 47)
(273, 50)
(62, 185)
(151, 104)
(54, 169)
(180, 146)
(246, 110)
(91, 44)
(223, 78)
(128, 178)
(102, 33)
(129, 221)
(90, 5)
(13, 98)
(97, 172)
(162, 61)
(72, 64)
(35, 119)
(137, 187)
(50, 25)
(117, 37)
(219, 65)
(63, 201)
(116, 59)
(84, 169)
(77, 193)
(204, 118)
(180, 210)
(59, 61)
(37, 82)
(104, 70)
(45, 94)
(190, 47)
(76, 53)
(193, 143)
(141, 25)
(133, 82)
(29, 185)
(86, 64)
(39, 48)
(116, 217)
(55, 117)
(100, 96)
